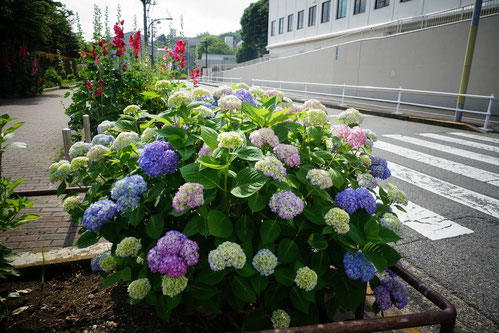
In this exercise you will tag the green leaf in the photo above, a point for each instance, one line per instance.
(136, 216)
(274, 295)
(218, 224)
(247, 182)
(209, 136)
(377, 259)
(169, 131)
(257, 202)
(241, 289)
(202, 291)
(245, 228)
(391, 256)
(162, 308)
(250, 153)
(212, 163)
(285, 276)
(256, 320)
(317, 241)
(320, 262)
(259, 283)
(315, 132)
(111, 280)
(350, 293)
(254, 114)
(155, 225)
(387, 235)
(61, 188)
(87, 239)
(191, 228)
(356, 235)
(338, 179)
(126, 274)
(371, 229)
(314, 215)
(210, 277)
(248, 269)
(298, 299)
(207, 177)
(269, 231)
(287, 251)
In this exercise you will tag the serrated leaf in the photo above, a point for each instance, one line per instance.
(86, 240)
(209, 136)
(212, 163)
(218, 224)
(247, 182)
(155, 225)
(285, 276)
(287, 251)
(269, 231)
(250, 153)
(207, 177)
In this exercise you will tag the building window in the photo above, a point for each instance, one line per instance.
(381, 3)
(311, 15)
(405, 0)
(301, 15)
(326, 8)
(290, 22)
(272, 28)
(341, 11)
(281, 25)
(359, 7)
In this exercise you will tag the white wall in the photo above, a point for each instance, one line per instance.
(429, 59)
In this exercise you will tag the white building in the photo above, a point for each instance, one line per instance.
(296, 26)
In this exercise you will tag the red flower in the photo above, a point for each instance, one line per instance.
(124, 68)
(197, 72)
(135, 43)
(180, 46)
(105, 50)
(98, 91)
(89, 85)
(102, 42)
(122, 22)
(195, 82)
(34, 66)
(100, 82)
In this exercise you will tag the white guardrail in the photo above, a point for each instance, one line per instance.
(308, 88)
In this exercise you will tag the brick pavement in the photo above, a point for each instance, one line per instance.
(43, 118)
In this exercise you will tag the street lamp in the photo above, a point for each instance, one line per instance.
(152, 35)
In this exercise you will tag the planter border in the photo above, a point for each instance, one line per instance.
(446, 317)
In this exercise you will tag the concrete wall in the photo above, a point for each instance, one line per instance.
(429, 59)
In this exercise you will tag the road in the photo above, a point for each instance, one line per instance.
(452, 227)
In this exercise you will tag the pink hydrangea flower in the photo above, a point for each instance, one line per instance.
(341, 131)
(356, 138)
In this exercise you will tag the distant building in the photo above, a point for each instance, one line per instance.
(218, 62)
(229, 40)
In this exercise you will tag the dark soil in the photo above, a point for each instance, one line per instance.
(71, 300)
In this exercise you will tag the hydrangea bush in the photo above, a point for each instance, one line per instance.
(256, 205)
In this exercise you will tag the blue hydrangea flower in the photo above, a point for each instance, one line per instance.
(103, 140)
(347, 200)
(358, 267)
(382, 298)
(158, 158)
(79, 149)
(208, 101)
(397, 291)
(366, 200)
(98, 214)
(286, 204)
(245, 96)
(379, 168)
(127, 190)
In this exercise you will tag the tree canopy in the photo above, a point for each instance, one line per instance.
(40, 25)
(245, 53)
(254, 26)
(216, 45)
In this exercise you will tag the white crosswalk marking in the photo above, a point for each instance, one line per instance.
(455, 167)
(480, 202)
(430, 224)
(468, 143)
(446, 149)
(476, 137)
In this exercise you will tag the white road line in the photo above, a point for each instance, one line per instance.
(461, 142)
(480, 202)
(430, 224)
(446, 149)
(451, 166)
(476, 137)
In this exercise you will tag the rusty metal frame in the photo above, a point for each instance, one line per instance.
(446, 317)
(47, 192)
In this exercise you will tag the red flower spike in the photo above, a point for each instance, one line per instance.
(89, 85)
(98, 92)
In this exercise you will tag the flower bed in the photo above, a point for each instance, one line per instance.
(256, 204)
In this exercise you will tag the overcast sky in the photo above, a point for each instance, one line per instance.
(214, 16)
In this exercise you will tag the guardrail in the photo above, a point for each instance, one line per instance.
(285, 86)
(219, 79)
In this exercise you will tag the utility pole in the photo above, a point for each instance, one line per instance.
(468, 59)
(206, 55)
(151, 26)
(145, 3)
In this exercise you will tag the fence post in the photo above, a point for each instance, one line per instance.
(487, 115)
(66, 140)
(398, 99)
(343, 95)
(86, 128)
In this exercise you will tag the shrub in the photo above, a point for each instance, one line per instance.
(19, 72)
(51, 78)
(257, 209)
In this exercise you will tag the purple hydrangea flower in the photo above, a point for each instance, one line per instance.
(366, 200)
(358, 267)
(126, 192)
(173, 254)
(158, 158)
(397, 291)
(286, 204)
(245, 96)
(264, 135)
(189, 195)
(98, 214)
(382, 298)
(379, 168)
(205, 151)
(347, 200)
(288, 154)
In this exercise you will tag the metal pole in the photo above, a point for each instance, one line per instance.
(206, 55)
(152, 44)
(398, 100)
(86, 128)
(66, 140)
(343, 95)
(487, 115)
(468, 59)
(144, 2)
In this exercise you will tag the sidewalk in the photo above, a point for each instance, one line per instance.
(44, 119)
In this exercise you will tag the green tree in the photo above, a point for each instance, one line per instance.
(254, 26)
(216, 45)
(245, 53)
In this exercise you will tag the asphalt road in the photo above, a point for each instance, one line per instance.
(452, 227)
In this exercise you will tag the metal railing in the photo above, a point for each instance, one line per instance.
(387, 29)
(219, 79)
(327, 90)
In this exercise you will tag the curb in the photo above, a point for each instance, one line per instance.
(59, 256)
